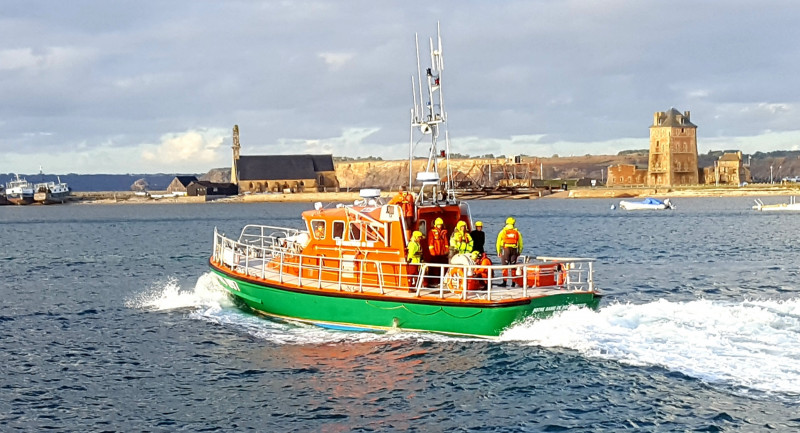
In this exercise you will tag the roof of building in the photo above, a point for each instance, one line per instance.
(186, 180)
(731, 157)
(279, 167)
(674, 118)
(208, 184)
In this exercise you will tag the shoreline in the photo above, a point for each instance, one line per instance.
(128, 197)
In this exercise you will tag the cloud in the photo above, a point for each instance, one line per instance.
(21, 58)
(336, 61)
(351, 141)
(197, 147)
(541, 78)
(30, 60)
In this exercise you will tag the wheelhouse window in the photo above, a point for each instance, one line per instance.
(372, 233)
(338, 230)
(355, 231)
(318, 229)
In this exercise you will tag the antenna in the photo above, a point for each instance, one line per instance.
(427, 118)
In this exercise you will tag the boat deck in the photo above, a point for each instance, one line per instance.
(263, 270)
(272, 256)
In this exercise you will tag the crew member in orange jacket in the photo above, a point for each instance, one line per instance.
(406, 202)
(438, 249)
(481, 273)
(509, 247)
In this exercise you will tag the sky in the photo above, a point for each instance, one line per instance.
(157, 86)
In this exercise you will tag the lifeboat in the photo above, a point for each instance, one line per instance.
(347, 267)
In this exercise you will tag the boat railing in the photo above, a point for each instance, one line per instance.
(270, 253)
(266, 236)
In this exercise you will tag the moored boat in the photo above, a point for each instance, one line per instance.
(646, 204)
(51, 192)
(347, 268)
(19, 191)
(791, 206)
(3, 200)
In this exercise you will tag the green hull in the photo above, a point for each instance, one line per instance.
(352, 311)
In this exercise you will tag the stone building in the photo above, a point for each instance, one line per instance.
(281, 173)
(729, 169)
(673, 150)
(672, 156)
(179, 184)
(205, 188)
(626, 174)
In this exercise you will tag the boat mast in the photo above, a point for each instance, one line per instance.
(428, 118)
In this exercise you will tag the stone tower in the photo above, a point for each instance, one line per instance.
(673, 150)
(236, 148)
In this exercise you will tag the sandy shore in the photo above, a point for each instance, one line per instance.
(710, 191)
(127, 197)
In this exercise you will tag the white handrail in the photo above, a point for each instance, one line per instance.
(288, 266)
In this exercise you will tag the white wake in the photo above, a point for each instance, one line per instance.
(209, 301)
(750, 344)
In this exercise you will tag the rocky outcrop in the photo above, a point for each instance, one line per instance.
(140, 185)
(390, 175)
(217, 175)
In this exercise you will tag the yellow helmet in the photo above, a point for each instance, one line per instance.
(438, 221)
(461, 224)
(416, 234)
(511, 221)
(475, 255)
(478, 224)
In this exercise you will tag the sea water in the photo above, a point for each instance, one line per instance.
(111, 321)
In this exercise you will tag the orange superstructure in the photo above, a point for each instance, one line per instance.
(365, 245)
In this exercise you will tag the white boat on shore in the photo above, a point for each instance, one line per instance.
(647, 204)
(51, 192)
(791, 206)
(19, 191)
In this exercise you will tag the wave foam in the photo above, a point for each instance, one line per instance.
(751, 344)
(210, 302)
(168, 295)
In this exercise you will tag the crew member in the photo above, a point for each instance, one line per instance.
(481, 273)
(414, 258)
(478, 237)
(461, 241)
(437, 247)
(406, 202)
(319, 229)
(509, 247)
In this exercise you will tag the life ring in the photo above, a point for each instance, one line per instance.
(454, 280)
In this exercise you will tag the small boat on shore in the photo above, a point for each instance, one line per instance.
(347, 268)
(19, 191)
(791, 206)
(51, 192)
(646, 204)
